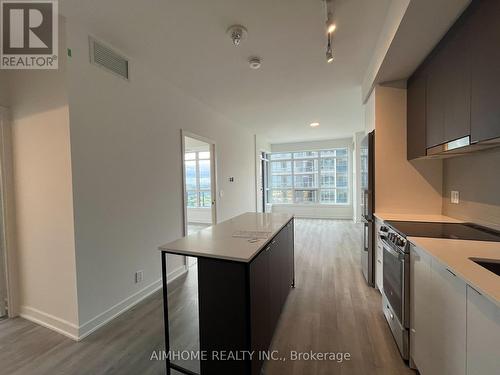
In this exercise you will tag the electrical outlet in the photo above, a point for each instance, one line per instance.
(455, 197)
(139, 276)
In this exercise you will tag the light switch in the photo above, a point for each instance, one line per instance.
(455, 197)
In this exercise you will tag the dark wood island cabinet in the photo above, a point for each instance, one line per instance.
(242, 287)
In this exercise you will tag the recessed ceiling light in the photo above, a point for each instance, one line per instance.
(314, 124)
(254, 62)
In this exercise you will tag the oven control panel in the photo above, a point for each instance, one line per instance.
(389, 235)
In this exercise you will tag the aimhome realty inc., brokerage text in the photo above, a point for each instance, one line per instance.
(243, 355)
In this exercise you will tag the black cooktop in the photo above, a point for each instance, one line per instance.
(459, 231)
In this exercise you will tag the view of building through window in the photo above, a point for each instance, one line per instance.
(198, 179)
(310, 177)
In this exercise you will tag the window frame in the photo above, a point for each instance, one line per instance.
(318, 173)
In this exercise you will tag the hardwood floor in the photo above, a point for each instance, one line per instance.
(330, 310)
(195, 227)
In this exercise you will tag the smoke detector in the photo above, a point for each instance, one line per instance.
(237, 33)
(254, 62)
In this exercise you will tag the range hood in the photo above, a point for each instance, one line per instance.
(460, 146)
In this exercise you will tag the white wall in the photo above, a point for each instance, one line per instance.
(401, 186)
(317, 210)
(4, 91)
(395, 14)
(369, 108)
(126, 159)
(43, 196)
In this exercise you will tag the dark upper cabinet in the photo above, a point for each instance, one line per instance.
(434, 102)
(456, 91)
(416, 112)
(485, 72)
(448, 88)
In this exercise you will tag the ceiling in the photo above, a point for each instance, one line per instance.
(412, 43)
(187, 41)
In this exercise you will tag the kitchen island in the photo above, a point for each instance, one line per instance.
(245, 272)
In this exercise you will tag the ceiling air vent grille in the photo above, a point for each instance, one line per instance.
(108, 59)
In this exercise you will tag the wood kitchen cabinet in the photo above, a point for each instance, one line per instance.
(271, 276)
(416, 116)
(483, 334)
(455, 92)
(420, 310)
(454, 329)
(485, 72)
(260, 295)
(438, 316)
(448, 322)
(242, 288)
(448, 88)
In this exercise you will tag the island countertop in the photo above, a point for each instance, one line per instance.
(231, 239)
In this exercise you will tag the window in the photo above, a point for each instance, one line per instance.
(310, 177)
(198, 179)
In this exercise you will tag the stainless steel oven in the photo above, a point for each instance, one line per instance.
(396, 287)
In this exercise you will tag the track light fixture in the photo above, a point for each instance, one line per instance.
(330, 24)
(330, 28)
(329, 52)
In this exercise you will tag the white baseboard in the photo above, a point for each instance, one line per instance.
(314, 216)
(179, 271)
(78, 333)
(49, 321)
(107, 316)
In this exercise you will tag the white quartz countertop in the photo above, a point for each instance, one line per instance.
(218, 241)
(430, 218)
(456, 254)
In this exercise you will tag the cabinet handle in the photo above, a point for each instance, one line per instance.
(451, 272)
(413, 330)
